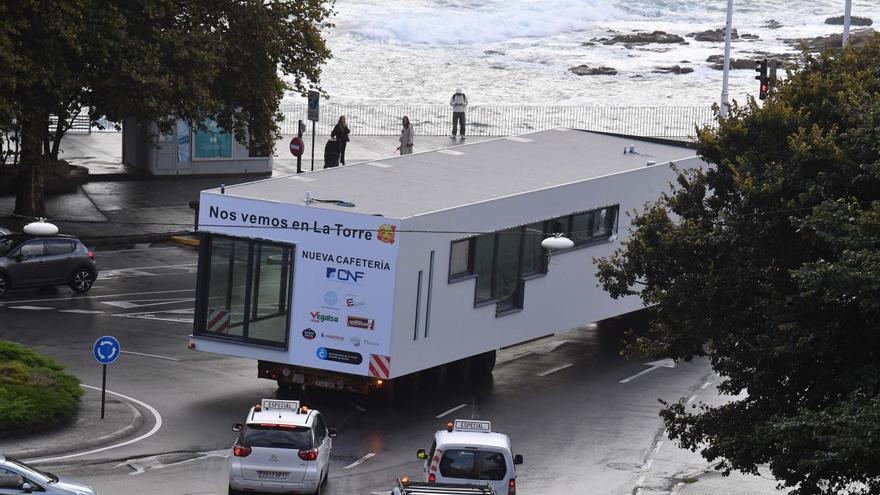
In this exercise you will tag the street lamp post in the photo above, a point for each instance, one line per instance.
(727, 29)
(846, 12)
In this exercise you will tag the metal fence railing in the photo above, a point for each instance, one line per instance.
(436, 120)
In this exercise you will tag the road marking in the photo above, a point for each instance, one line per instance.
(663, 363)
(87, 297)
(692, 398)
(149, 355)
(156, 427)
(352, 404)
(657, 448)
(559, 344)
(705, 385)
(640, 481)
(153, 317)
(456, 408)
(152, 463)
(360, 461)
(554, 370)
(33, 308)
(82, 311)
(141, 271)
(142, 303)
(647, 465)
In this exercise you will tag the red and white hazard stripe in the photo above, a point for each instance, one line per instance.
(218, 320)
(380, 366)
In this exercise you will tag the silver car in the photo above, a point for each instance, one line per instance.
(38, 261)
(17, 477)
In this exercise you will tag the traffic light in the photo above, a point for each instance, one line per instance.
(761, 69)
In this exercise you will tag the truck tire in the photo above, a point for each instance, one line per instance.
(484, 364)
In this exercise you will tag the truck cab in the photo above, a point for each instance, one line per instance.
(469, 452)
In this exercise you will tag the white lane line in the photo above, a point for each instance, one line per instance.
(156, 427)
(640, 373)
(648, 464)
(444, 413)
(705, 385)
(360, 461)
(691, 399)
(152, 317)
(149, 355)
(85, 298)
(33, 308)
(554, 370)
(356, 406)
(640, 481)
(653, 365)
(82, 311)
(657, 448)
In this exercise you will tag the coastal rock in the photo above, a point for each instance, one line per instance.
(747, 36)
(588, 43)
(673, 69)
(853, 21)
(716, 35)
(585, 70)
(643, 38)
(493, 52)
(717, 62)
(832, 41)
(772, 24)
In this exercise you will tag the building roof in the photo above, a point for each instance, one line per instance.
(412, 185)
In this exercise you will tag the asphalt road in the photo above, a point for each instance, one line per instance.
(560, 399)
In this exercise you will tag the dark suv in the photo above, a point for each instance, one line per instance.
(36, 261)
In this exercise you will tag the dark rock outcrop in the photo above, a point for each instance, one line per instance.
(642, 38)
(833, 41)
(772, 24)
(853, 21)
(585, 70)
(716, 35)
(673, 69)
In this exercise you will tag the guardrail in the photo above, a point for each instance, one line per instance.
(436, 120)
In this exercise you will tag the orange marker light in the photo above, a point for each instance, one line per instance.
(405, 480)
(449, 426)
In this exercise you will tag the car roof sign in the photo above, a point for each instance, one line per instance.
(472, 425)
(268, 404)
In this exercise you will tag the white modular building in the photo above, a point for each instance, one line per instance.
(345, 277)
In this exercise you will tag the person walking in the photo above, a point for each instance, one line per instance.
(459, 104)
(340, 132)
(406, 137)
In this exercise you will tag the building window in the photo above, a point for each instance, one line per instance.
(460, 263)
(213, 142)
(244, 290)
(506, 267)
(533, 259)
(484, 255)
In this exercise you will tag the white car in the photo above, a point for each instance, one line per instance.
(281, 448)
(469, 452)
(18, 477)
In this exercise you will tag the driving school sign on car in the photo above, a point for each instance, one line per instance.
(344, 275)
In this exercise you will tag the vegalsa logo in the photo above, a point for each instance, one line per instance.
(386, 233)
(344, 275)
(318, 317)
(309, 334)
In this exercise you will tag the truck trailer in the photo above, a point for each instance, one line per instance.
(361, 277)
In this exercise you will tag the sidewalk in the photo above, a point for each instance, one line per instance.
(120, 206)
(87, 430)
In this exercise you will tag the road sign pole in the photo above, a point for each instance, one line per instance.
(299, 134)
(313, 146)
(103, 389)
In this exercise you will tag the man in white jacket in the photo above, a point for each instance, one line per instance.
(459, 103)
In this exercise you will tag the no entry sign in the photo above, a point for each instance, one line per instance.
(297, 146)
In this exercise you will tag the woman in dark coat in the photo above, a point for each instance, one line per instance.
(340, 132)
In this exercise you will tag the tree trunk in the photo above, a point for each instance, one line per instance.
(30, 198)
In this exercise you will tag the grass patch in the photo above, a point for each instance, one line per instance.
(35, 393)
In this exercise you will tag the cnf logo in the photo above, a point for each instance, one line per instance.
(343, 275)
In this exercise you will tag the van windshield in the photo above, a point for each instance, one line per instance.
(276, 437)
(473, 464)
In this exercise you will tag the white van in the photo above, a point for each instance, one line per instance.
(469, 452)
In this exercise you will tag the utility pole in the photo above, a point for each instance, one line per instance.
(846, 11)
(727, 29)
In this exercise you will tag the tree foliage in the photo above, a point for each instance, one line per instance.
(768, 262)
(157, 60)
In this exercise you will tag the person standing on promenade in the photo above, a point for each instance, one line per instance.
(459, 103)
(340, 132)
(406, 137)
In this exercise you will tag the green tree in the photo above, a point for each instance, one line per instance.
(157, 60)
(768, 262)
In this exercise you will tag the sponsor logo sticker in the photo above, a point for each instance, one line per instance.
(361, 322)
(339, 356)
(330, 336)
(345, 275)
(353, 302)
(355, 341)
(330, 298)
(319, 317)
(386, 233)
(308, 334)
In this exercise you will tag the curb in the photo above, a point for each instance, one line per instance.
(185, 241)
(136, 422)
(127, 240)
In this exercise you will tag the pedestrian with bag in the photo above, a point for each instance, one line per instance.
(340, 132)
(459, 104)
(406, 137)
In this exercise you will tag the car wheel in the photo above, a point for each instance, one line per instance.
(4, 285)
(81, 280)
